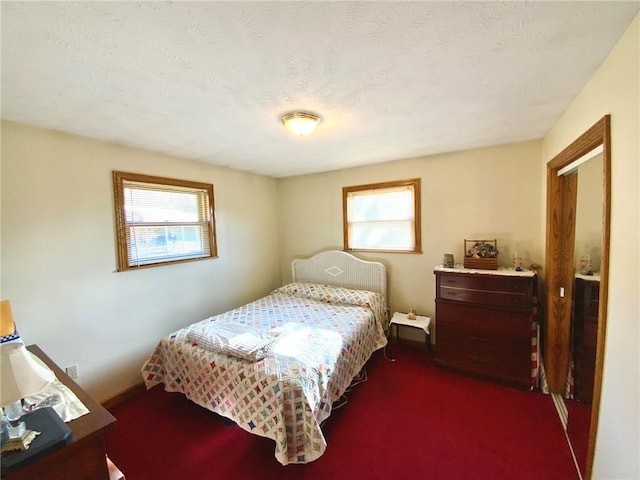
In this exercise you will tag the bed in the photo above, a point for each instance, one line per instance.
(307, 341)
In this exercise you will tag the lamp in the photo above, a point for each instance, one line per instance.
(20, 375)
(300, 123)
(7, 327)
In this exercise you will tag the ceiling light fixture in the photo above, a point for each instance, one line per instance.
(300, 123)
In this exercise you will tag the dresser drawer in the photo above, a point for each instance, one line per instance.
(483, 297)
(590, 335)
(486, 283)
(462, 319)
(482, 343)
(584, 368)
(474, 358)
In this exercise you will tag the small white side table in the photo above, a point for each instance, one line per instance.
(421, 322)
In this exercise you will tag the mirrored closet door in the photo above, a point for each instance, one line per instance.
(578, 193)
(586, 291)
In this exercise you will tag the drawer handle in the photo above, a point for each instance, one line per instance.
(478, 359)
(477, 339)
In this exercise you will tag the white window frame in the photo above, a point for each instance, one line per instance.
(128, 224)
(349, 193)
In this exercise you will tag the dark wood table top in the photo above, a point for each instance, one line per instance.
(84, 456)
(97, 420)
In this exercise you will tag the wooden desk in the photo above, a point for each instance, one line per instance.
(84, 458)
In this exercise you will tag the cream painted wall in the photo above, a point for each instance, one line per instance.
(59, 254)
(484, 193)
(615, 89)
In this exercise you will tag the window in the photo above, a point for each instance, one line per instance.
(382, 216)
(161, 220)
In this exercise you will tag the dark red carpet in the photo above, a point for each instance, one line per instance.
(578, 430)
(407, 421)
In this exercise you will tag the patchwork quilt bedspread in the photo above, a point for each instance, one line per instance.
(323, 337)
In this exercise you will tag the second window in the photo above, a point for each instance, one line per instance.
(382, 216)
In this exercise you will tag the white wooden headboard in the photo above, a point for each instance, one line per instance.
(335, 267)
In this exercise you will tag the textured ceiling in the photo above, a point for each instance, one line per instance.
(209, 81)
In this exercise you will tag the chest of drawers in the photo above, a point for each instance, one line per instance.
(585, 333)
(485, 323)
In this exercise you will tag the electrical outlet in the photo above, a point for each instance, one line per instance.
(72, 371)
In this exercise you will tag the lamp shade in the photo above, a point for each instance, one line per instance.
(21, 374)
(300, 123)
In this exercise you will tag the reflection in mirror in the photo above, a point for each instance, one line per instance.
(584, 323)
(588, 243)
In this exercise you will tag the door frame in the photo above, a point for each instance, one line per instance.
(559, 269)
